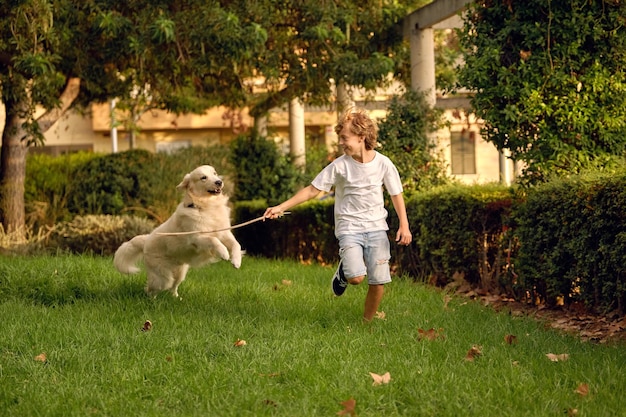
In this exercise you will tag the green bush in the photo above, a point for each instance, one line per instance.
(404, 137)
(261, 171)
(99, 234)
(112, 183)
(133, 182)
(572, 236)
(456, 229)
(307, 234)
(50, 183)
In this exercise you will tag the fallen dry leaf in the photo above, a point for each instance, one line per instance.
(572, 412)
(240, 342)
(147, 326)
(582, 390)
(510, 339)
(42, 357)
(446, 300)
(284, 283)
(380, 315)
(380, 379)
(348, 408)
(271, 403)
(557, 358)
(473, 353)
(430, 334)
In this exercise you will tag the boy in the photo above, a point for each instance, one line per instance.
(360, 216)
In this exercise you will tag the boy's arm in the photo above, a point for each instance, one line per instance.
(301, 196)
(403, 236)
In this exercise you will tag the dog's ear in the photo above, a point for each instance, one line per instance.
(184, 183)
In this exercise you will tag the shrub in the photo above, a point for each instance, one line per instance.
(572, 241)
(100, 234)
(307, 234)
(404, 137)
(261, 171)
(111, 183)
(456, 229)
(49, 185)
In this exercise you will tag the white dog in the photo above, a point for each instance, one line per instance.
(175, 245)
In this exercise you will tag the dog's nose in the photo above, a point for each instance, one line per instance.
(219, 183)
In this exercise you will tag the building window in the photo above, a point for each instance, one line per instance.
(171, 147)
(463, 152)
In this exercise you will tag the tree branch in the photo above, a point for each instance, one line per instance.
(69, 94)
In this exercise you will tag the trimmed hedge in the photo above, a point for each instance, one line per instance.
(307, 234)
(456, 230)
(563, 241)
(572, 236)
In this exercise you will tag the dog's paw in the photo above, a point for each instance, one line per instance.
(236, 262)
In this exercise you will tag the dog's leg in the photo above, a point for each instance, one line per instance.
(179, 276)
(215, 245)
(160, 277)
(228, 239)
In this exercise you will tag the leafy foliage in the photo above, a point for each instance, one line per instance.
(404, 136)
(134, 182)
(549, 80)
(110, 184)
(457, 229)
(50, 185)
(99, 234)
(261, 171)
(573, 241)
(316, 46)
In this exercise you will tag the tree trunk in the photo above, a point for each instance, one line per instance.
(12, 174)
(13, 156)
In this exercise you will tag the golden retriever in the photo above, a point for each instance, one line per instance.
(180, 242)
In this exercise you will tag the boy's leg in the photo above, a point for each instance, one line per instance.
(377, 254)
(351, 268)
(372, 301)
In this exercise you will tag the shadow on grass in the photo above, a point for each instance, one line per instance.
(56, 294)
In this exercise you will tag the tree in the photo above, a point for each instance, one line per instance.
(185, 56)
(549, 80)
(182, 56)
(404, 137)
(315, 45)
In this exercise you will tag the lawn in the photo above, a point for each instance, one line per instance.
(270, 340)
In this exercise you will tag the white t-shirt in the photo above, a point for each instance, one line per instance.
(359, 204)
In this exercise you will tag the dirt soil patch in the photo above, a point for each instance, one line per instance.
(574, 319)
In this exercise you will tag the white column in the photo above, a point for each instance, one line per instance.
(506, 167)
(113, 128)
(423, 63)
(296, 133)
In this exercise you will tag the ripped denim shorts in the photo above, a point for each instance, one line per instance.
(366, 254)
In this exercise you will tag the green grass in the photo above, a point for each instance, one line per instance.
(306, 350)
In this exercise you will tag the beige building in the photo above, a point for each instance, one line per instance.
(469, 158)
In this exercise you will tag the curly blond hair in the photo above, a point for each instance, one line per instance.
(361, 124)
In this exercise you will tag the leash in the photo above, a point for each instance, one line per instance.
(195, 232)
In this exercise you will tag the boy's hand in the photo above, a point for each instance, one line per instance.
(273, 213)
(404, 237)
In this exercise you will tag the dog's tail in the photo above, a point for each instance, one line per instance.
(127, 255)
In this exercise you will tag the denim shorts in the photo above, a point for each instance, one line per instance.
(366, 254)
